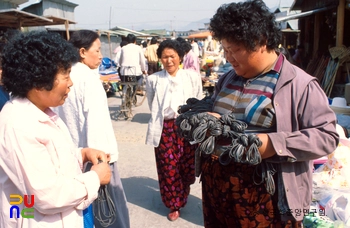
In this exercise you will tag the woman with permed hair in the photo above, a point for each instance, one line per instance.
(166, 90)
(278, 101)
(37, 156)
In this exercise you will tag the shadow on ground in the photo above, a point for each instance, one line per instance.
(144, 192)
(142, 118)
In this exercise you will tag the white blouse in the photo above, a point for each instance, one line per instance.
(175, 91)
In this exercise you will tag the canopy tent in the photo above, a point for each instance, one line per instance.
(201, 35)
(13, 18)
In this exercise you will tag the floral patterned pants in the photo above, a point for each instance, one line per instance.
(175, 166)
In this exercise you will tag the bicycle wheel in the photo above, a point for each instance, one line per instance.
(128, 101)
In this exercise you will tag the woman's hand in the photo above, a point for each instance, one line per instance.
(94, 156)
(266, 150)
(103, 171)
(217, 115)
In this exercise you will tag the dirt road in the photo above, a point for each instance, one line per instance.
(139, 176)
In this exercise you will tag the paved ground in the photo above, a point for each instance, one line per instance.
(139, 176)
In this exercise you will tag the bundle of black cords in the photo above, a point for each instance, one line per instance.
(197, 125)
(103, 207)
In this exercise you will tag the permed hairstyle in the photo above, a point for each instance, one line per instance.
(172, 44)
(83, 39)
(249, 23)
(32, 60)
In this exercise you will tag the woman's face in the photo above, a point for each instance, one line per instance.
(93, 56)
(246, 63)
(170, 60)
(44, 99)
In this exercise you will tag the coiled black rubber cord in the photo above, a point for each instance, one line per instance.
(103, 207)
(195, 124)
(265, 172)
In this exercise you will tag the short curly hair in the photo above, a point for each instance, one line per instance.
(33, 59)
(172, 44)
(249, 23)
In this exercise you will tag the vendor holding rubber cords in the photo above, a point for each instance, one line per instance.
(288, 106)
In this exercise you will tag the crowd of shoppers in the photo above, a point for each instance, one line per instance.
(56, 90)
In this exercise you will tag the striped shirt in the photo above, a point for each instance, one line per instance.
(251, 99)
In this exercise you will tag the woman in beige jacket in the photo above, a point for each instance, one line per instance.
(166, 91)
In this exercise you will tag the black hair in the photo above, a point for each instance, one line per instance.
(153, 40)
(131, 38)
(249, 23)
(5, 38)
(83, 39)
(123, 43)
(32, 60)
(172, 44)
(186, 46)
(180, 39)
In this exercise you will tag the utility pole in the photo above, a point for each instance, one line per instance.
(110, 16)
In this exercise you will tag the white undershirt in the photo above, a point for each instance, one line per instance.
(175, 96)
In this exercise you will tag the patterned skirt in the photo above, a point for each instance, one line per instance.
(231, 199)
(175, 166)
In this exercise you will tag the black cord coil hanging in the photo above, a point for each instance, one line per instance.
(196, 124)
(103, 207)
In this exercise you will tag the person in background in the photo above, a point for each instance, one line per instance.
(86, 114)
(117, 51)
(200, 47)
(132, 60)
(166, 90)
(298, 56)
(117, 56)
(144, 46)
(278, 99)
(151, 56)
(37, 155)
(195, 47)
(191, 60)
(285, 52)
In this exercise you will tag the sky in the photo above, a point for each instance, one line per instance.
(150, 14)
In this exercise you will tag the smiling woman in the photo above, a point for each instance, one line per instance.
(166, 90)
(37, 155)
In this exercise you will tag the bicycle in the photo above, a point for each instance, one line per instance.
(129, 82)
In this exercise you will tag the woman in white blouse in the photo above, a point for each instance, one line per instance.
(87, 117)
(166, 90)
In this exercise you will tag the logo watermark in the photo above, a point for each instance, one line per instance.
(27, 211)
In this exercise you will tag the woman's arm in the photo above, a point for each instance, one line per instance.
(44, 165)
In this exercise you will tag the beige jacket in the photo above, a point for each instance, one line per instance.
(156, 90)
